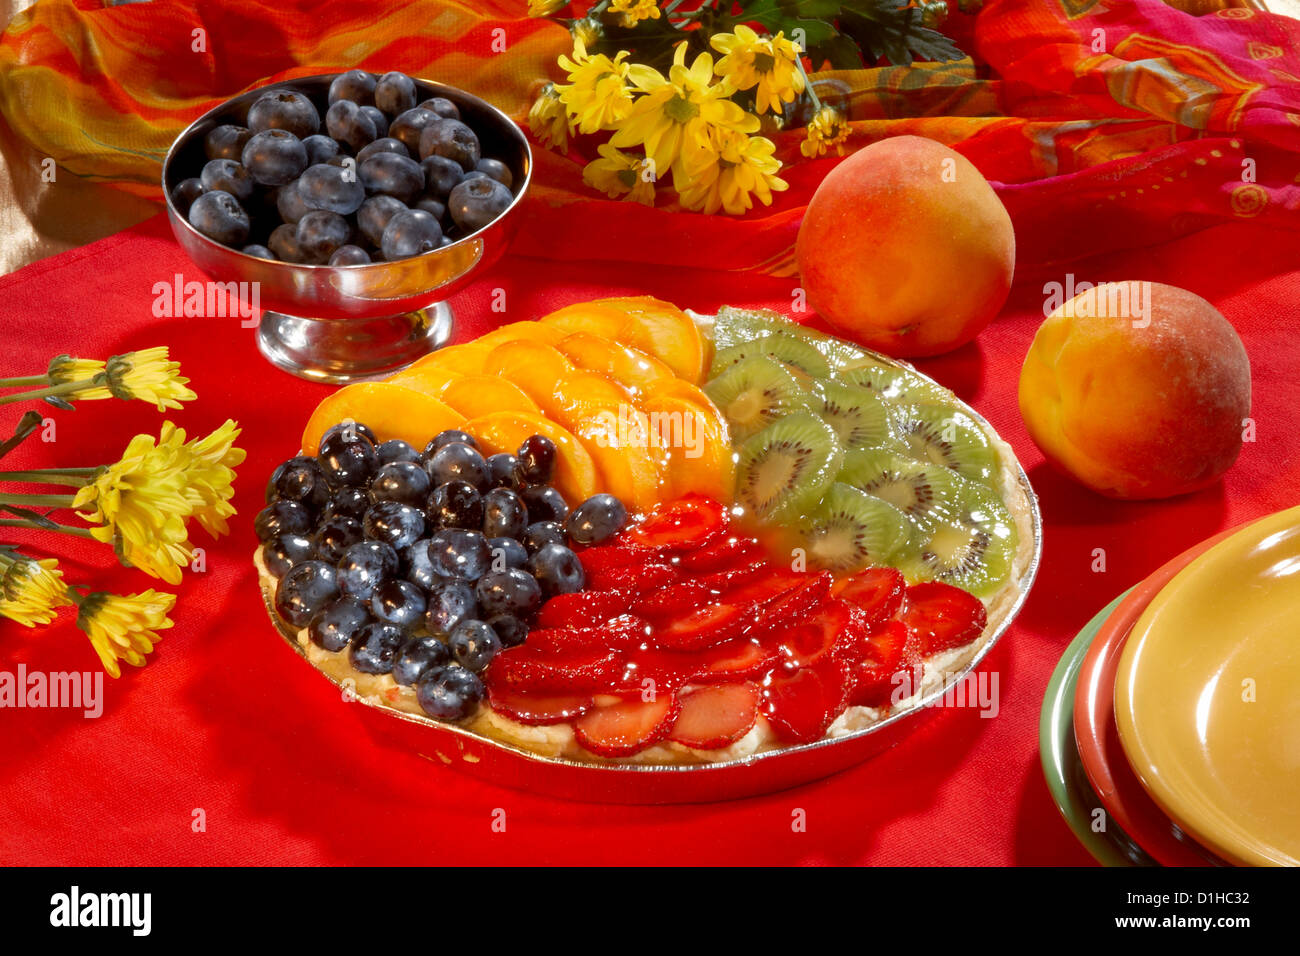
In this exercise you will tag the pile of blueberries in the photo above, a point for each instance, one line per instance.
(381, 178)
(424, 565)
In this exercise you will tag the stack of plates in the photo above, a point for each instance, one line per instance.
(1170, 732)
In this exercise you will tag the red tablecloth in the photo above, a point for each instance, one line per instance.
(227, 720)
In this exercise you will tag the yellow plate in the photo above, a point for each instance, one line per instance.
(1207, 698)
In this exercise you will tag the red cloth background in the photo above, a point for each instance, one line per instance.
(225, 718)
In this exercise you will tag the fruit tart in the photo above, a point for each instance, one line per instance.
(625, 533)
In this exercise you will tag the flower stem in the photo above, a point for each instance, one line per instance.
(28, 380)
(76, 477)
(64, 528)
(49, 501)
(26, 425)
(64, 389)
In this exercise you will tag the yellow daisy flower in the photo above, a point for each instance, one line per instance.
(826, 130)
(730, 172)
(31, 591)
(596, 96)
(545, 8)
(588, 31)
(548, 121)
(634, 11)
(124, 627)
(148, 375)
(620, 174)
(64, 369)
(769, 63)
(677, 112)
(212, 475)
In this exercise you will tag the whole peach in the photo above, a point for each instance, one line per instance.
(906, 248)
(1137, 389)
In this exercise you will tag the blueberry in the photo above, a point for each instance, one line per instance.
(305, 590)
(280, 517)
(374, 214)
(219, 216)
(320, 234)
(226, 142)
(375, 647)
(284, 243)
(185, 192)
(285, 550)
(442, 106)
(449, 604)
(335, 535)
(457, 461)
(449, 693)
(355, 85)
(286, 110)
(495, 169)
(349, 255)
(274, 157)
(398, 602)
(407, 127)
(348, 125)
(536, 459)
(597, 519)
(377, 119)
(272, 483)
(419, 655)
(456, 504)
(303, 480)
(347, 502)
(395, 450)
(419, 567)
(545, 503)
(335, 627)
(507, 553)
(441, 176)
(290, 205)
(508, 592)
(510, 629)
(476, 202)
(453, 139)
(435, 209)
(364, 567)
(473, 644)
(331, 188)
(461, 554)
(261, 252)
(446, 438)
(389, 174)
(350, 429)
(347, 462)
(385, 144)
(403, 481)
(540, 534)
(320, 149)
(557, 570)
(504, 514)
(394, 523)
(410, 233)
(395, 93)
(501, 471)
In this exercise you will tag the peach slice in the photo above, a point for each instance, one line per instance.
(466, 357)
(530, 331)
(646, 323)
(575, 472)
(631, 368)
(475, 395)
(391, 411)
(532, 366)
(431, 379)
(695, 443)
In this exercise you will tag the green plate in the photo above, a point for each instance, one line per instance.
(1069, 785)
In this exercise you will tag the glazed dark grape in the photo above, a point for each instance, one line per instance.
(540, 534)
(441, 176)
(446, 438)
(274, 157)
(290, 206)
(596, 520)
(355, 85)
(407, 127)
(350, 429)
(304, 591)
(280, 517)
(504, 514)
(508, 592)
(337, 625)
(536, 460)
(510, 629)
(449, 693)
(375, 647)
(374, 215)
(320, 149)
(456, 504)
(286, 550)
(449, 603)
(185, 192)
(218, 215)
(347, 462)
(389, 174)
(507, 553)
(331, 188)
(394, 523)
(501, 471)
(347, 503)
(398, 602)
(349, 256)
(286, 110)
(261, 252)
(473, 644)
(442, 106)
(557, 570)
(476, 202)
(419, 567)
(419, 655)
(460, 554)
(335, 535)
(412, 232)
(496, 169)
(347, 124)
(302, 479)
(364, 567)
(452, 139)
(403, 481)
(457, 461)
(385, 144)
(545, 503)
(395, 93)
(272, 483)
(226, 142)
(395, 450)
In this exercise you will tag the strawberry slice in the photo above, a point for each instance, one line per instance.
(794, 605)
(623, 632)
(582, 609)
(664, 670)
(623, 728)
(741, 659)
(812, 639)
(943, 616)
(537, 709)
(877, 591)
(686, 524)
(633, 580)
(706, 626)
(727, 552)
(610, 556)
(538, 671)
(801, 704)
(713, 717)
(884, 664)
(729, 579)
(678, 598)
(765, 587)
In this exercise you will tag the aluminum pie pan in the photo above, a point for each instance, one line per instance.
(767, 771)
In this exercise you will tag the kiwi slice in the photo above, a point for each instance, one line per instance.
(755, 392)
(858, 415)
(850, 530)
(787, 466)
(945, 436)
(733, 326)
(893, 382)
(974, 549)
(790, 350)
(925, 492)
